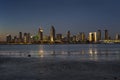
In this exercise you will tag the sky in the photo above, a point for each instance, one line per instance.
(74, 15)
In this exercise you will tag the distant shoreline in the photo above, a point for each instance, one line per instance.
(50, 43)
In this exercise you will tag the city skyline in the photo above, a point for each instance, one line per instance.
(55, 37)
(52, 33)
(74, 15)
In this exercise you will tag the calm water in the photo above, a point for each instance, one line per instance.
(71, 51)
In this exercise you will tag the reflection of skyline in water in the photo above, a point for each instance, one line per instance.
(41, 52)
(82, 51)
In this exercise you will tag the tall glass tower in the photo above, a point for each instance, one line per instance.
(99, 35)
(40, 33)
(106, 35)
(52, 34)
(20, 36)
(68, 36)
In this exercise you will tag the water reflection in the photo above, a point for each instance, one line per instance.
(82, 51)
(93, 52)
(41, 51)
(53, 53)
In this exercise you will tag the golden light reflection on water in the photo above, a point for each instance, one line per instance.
(52, 53)
(41, 51)
(83, 51)
(93, 53)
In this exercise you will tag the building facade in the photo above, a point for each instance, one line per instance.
(106, 35)
(20, 37)
(99, 35)
(68, 36)
(40, 33)
(93, 36)
(52, 34)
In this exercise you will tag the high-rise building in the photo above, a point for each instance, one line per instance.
(52, 34)
(46, 38)
(28, 38)
(99, 35)
(20, 37)
(78, 37)
(74, 38)
(106, 35)
(117, 37)
(68, 36)
(59, 36)
(15, 39)
(93, 36)
(25, 37)
(8, 38)
(40, 33)
(82, 36)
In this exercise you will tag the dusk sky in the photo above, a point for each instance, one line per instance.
(74, 15)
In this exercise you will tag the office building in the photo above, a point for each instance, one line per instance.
(15, 39)
(20, 37)
(78, 37)
(52, 34)
(117, 37)
(8, 38)
(74, 38)
(28, 38)
(99, 35)
(106, 35)
(93, 36)
(59, 36)
(68, 36)
(82, 36)
(25, 37)
(40, 33)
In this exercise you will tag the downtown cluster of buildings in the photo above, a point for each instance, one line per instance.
(39, 38)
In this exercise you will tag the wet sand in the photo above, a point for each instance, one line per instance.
(61, 69)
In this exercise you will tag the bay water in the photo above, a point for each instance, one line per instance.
(63, 51)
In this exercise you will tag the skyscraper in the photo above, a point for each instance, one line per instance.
(68, 36)
(78, 36)
(82, 36)
(52, 34)
(117, 37)
(99, 35)
(15, 39)
(93, 36)
(28, 38)
(40, 33)
(59, 36)
(8, 38)
(106, 35)
(74, 38)
(20, 36)
(25, 37)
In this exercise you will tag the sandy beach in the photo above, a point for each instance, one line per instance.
(51, 69)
